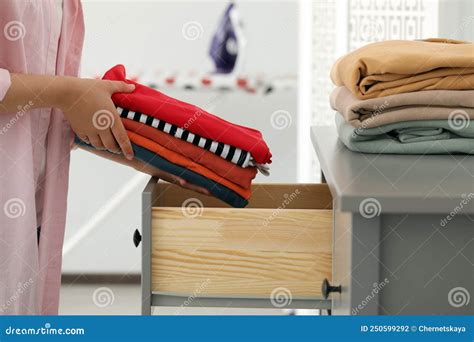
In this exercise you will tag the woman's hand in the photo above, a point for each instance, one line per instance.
(88, 107)
(170, 178)
(148, 169)
(86, 104)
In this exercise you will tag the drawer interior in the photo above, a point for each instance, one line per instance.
(281, 242)
(298, 196)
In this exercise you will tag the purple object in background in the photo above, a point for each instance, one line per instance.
(224, 45)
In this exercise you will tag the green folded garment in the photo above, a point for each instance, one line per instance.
(409, 137)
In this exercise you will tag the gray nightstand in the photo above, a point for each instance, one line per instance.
(403, 230)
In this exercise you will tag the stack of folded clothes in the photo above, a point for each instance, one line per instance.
(406, 97)
(191, 143)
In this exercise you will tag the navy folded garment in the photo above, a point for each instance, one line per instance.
(223, 193)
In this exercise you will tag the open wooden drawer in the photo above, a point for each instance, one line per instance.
(275, 251)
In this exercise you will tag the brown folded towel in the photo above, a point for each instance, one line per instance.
(402, 66)
(419, 105)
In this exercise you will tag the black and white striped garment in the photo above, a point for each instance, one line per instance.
(229, 153)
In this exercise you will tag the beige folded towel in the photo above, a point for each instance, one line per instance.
(402, 66)
(420, 105)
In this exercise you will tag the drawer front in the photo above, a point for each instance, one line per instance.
(244, 252)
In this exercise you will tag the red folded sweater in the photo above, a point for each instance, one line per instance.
(194, 119)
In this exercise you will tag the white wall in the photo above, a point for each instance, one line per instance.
(456, 19)
(148, 34)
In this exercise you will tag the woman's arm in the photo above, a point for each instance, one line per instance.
(43, 91)
(86, 104)
(145, 168)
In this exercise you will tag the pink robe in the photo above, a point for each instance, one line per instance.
(32, 41)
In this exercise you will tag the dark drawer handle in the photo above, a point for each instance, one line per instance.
(137, 238)
(327, 288)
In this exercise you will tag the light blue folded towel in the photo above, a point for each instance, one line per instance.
(409, 137)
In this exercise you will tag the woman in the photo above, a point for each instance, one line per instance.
(42, 104)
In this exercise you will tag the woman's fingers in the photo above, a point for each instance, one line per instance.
(83, 137)
(109, 142)
(170, 178)
(121, 87)
(120, 135)
(95, 141)
(196, 188)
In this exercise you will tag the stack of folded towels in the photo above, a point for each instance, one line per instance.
(189, 142)
(406, 97)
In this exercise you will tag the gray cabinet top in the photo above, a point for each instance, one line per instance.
(398, 183)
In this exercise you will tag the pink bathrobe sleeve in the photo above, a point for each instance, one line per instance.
(34, 154)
